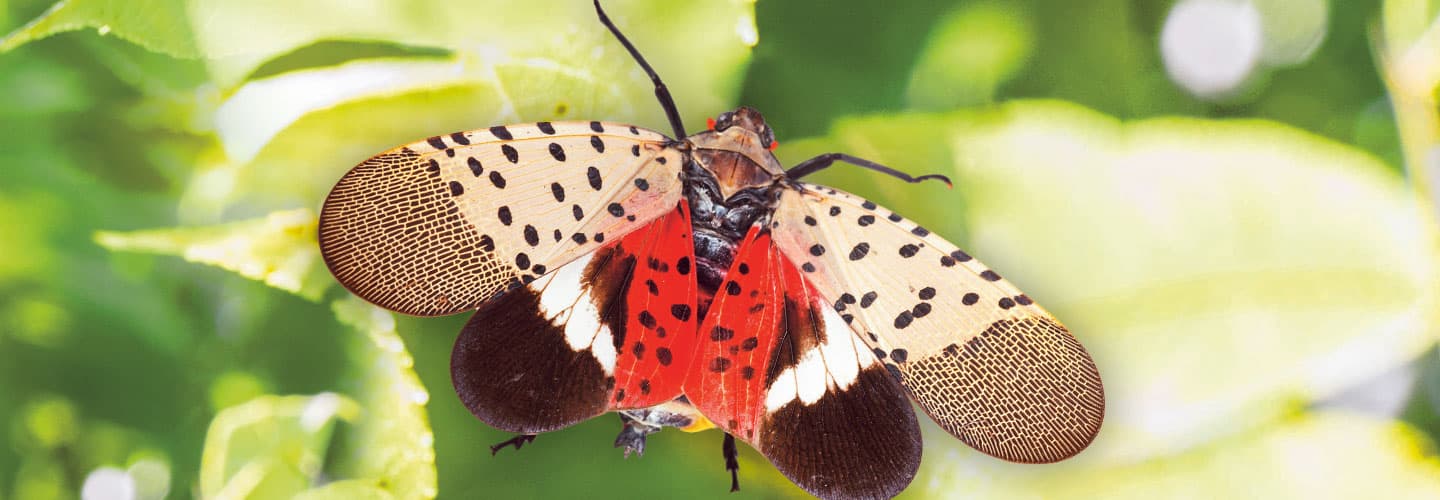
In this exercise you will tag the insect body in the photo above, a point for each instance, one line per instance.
(687, 280)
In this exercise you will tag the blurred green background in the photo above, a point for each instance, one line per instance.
(1230, 202)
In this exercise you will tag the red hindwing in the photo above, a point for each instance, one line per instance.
(659, 312)
(726, 380)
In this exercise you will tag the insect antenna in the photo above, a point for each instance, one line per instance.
(824, 161)
(661, 92)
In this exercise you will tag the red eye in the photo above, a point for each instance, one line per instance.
(710, 123)
(774, 144)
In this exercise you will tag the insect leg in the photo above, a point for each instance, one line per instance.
(732, 463)
(517, 441)
(824, 161)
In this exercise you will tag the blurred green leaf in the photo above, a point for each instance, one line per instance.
(392, 447)
(819, 60)
(152, 73)
(27, 222)
(38, 87)
(1327, 455)
(349, 489)
(232, 388)
(40, 477)
(1179, 247)
(277, 445)
(48, 423)
(270, 447)
(971, 52)
(1293, 29)
(1221, 273)
(279, 249)
(289, 136)
(36, 321)
(193, 29)
(158, 25)
(1406, 22)
(1409, 48)
(261, 109)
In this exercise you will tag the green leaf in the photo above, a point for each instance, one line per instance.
(270, 447)
(392, 447)
(1410, 22)
(289, 136)
(549, 80)
(1411, 54)
(189, 28)
(27, 218)
(1327, 455)
(1293, 29)
(258, 111)
(158, 25)
(277, 446)
(972, 51)
(1221, 272)
(279, 249)
(349, 489)
(192, 29)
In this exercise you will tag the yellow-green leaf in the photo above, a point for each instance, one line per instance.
(971, 51)
(1222, 273)
(349, 489)
(392, 447)
(1327, 455)
(279, 249)
(270, 447)
(277, 446)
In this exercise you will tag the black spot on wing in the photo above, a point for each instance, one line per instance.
(593, 175)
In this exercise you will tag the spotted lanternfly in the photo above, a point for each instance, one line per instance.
(689, 280)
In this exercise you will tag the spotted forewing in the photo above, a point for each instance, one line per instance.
(965, 342)
(439, 226)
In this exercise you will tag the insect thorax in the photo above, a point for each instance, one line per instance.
(720, 222)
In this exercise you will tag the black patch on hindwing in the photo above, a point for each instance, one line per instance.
(877, 456)
(512, 368)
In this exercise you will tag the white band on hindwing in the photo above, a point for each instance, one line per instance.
(569, 305)
(835, 363)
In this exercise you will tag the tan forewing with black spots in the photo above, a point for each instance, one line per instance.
(983, 360)
(440, 225)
